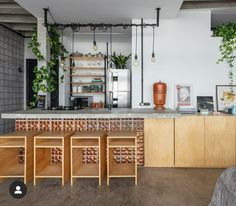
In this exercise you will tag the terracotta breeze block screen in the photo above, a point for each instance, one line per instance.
(107, 125)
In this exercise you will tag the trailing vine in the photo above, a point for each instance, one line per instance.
(228, 46)
(46, 76)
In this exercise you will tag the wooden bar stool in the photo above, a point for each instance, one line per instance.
(121, 155)
(16, 155)
(88, 155)
(44, 165)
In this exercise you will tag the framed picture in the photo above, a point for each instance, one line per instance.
(205, 102)
(184, 96)
(225, 97)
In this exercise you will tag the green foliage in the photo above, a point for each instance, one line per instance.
(228, 46)
(45, 76)
(120, 61)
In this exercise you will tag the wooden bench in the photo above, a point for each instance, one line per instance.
(88, 155)
(16, 155)
(121, 155)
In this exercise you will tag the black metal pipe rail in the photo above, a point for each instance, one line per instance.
(99, 26)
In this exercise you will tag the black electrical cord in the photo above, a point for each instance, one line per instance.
(136, 44)
(153, 41)
(110, 46)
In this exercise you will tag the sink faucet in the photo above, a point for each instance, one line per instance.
(110, 100)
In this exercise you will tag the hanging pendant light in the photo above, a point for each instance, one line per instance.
(136, 62)
(111, 46)
(73, 46)
(95, 47)
(62, 62)
(153, 59)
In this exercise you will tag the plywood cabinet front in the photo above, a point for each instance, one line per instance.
(189, 141)
(159, 142)
(219, 141)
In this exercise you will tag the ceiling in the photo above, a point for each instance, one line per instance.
(13, 16)
(20, 15)
(222, 16)
(106, 11)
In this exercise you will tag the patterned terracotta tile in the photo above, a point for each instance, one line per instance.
(45, 125)
(92, 124)
(33, 124)
(56, 125)
(69, 125)
(80, 125)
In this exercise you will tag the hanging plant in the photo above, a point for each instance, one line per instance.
(227, 47)
(46, 76)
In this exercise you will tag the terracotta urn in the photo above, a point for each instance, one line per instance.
(159, 95)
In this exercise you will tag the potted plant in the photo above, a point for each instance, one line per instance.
(120, 61)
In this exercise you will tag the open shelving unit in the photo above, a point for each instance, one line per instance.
(16, 155)
(121, 155)
(43, 165)
(88, 155)
(84, 74)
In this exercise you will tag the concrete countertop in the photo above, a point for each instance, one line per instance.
(91, 113)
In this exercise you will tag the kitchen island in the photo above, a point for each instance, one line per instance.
(90, 120)
(165, 138)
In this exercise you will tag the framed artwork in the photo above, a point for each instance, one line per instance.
(205, 102)
(184, 96)
(225, 97)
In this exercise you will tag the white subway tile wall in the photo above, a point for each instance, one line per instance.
(11, 80)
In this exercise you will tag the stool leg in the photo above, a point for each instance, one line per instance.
(108, 180)
(34, 163)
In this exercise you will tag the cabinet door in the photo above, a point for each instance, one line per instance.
(189, 141)
(159, 142)
(219, 141)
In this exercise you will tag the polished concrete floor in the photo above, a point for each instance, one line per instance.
(156, 186)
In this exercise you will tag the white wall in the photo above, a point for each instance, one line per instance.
(83, 44)
(185, 52)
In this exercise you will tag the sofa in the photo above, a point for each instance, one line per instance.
(225, 189)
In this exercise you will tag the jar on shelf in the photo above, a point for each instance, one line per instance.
(74, 88)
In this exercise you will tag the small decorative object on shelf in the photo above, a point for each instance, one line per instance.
(225, 97)
(159, 95)
(184, 98)
(205, 103)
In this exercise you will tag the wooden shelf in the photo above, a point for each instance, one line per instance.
(95, 83)
(121, 142)
(12, 142)
(86, 170)
(15, 170)
(78, 75)
(85, 142)
(50, 171)
(85, 92)
(87, 58)
(77, 68)
(122, 170)
(44, 143)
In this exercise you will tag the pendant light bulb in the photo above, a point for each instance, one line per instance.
(153, 59)
(136, 62)
(95, 47)
(62, 63)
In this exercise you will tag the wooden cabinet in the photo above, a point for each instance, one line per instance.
(219, 141)
(159, 142)
(189, 141)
